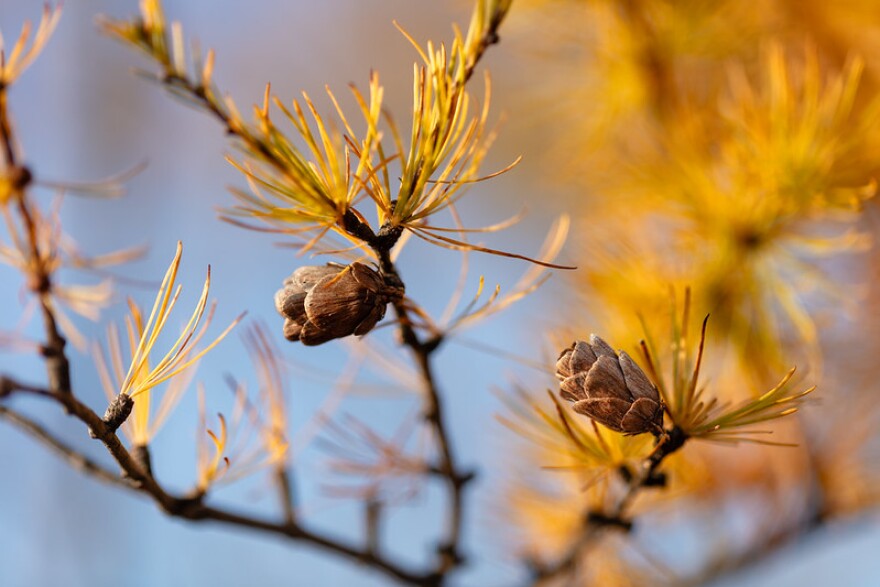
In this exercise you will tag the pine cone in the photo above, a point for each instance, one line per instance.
(320, 303)
(608, 388)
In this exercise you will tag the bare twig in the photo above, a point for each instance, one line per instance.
(450, 470)
(40, 278)
(75, 459)
(447, 467)
(135, 472)
(286, 494)
(615, 517)
(768, 546)
(192, 508)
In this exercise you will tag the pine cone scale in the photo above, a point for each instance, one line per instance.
(609, 388)
(321, 303)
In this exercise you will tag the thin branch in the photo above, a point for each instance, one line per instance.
(286, 494)
(135, 475)
(193, 508)
(40, 279)
(767, 546)
(449, 468)
(616, 516)
(75, 459)
(9, 385)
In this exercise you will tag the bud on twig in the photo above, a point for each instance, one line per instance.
(608, 388)
(117, 413)
(320, 303)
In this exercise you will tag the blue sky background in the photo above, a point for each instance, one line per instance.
(81, 115)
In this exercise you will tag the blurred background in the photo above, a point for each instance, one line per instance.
(676, 134)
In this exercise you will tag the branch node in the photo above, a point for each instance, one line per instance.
(430, 345)
(353, 225)
(20, 177)
(667, 443)
(465, 477)
(600, 519)
(655, 479)
(189, 508)
(387, 237)
(6, 387)
(117, 412)
(449, 555)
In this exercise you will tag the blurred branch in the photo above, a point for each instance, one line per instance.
(595, 522)
(373, 518)
(74, 458)
(191, 507)
(39, 280)
(286, 494)
(455, 476)
(658, 73)
(135, 472)
(728, 563)
(817, 512)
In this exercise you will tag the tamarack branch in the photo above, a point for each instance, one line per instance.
(698, 196)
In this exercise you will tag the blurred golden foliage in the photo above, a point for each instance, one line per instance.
(730, 148)
(723, 149)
